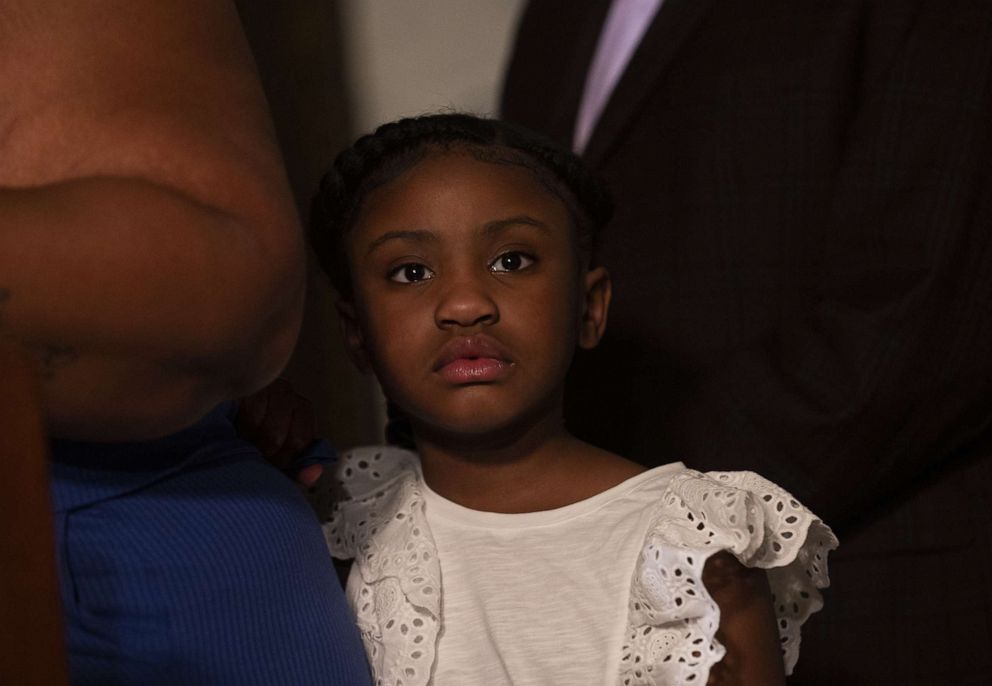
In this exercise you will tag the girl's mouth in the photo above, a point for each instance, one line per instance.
(473, 359)
(469, 370)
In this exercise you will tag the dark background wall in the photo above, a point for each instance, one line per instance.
(298, 47)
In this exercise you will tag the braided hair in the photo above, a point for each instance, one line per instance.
(394, 148)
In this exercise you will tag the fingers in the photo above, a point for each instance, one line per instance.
(251, 415)
(280, 422)
(288, 432)
(309, 475)
(303, 428)
(277, 422)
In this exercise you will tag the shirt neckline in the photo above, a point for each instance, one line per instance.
(440, 507)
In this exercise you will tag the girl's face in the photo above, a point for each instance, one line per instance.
(469, 297)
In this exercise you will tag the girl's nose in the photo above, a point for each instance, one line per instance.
(465, 303)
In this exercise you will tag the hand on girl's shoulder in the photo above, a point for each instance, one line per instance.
(282, 424)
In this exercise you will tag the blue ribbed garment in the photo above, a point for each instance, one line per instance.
(190, 560)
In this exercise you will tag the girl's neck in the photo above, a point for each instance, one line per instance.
(543, 468)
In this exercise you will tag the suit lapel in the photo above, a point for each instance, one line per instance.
(673, 23)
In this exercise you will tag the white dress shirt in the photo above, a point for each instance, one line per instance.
(622, 32)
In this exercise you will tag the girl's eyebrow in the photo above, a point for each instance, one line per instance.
(420, 236)
(425, 236)
(499, 225)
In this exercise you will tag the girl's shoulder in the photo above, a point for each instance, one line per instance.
(757, 520)
(698, 515)
(374, 500)
(366, 469)
(364, 484)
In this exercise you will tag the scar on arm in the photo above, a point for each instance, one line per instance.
(50, 358)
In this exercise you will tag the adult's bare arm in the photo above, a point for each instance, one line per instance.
(149, 250)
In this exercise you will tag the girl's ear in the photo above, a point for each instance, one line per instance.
(354, 339)
(598, 289)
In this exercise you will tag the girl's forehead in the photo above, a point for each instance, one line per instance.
(462, 184)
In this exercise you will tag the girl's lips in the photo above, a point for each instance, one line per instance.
(474, 370)
(473, 359)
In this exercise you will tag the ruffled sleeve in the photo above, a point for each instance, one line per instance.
(672, 618)
(373, 511)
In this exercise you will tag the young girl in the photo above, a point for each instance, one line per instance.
(504, 550)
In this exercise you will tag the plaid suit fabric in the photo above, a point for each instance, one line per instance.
(802, 263)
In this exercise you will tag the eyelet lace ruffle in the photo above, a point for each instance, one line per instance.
(378, 518)
(672, 618)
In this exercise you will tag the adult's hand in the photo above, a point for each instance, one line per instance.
(282, 424)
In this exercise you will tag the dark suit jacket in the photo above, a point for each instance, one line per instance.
(802, 263)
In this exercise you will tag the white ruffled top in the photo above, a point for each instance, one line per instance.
(374, 509)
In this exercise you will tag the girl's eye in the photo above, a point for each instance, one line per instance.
(411, 272)
(511, 262)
